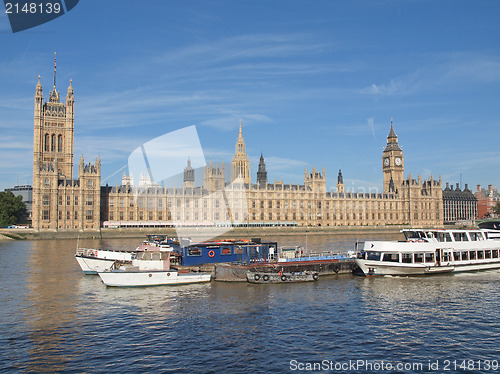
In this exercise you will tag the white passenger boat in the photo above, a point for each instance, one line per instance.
(149, 269)
(93, 261)
(431, 251)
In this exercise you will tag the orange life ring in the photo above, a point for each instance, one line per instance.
(280, 272)
(211, 253)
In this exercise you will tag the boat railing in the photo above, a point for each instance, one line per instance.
(311, 257)
(86, 252)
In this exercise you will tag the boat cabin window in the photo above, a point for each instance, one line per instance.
(391, 257)
(480, 255)
(406, 258)
(145, 256)
(238, 250)
(492, 235)
(474, 236)
(414, 235)
(456, 256)
(465, 256)
(194, 251)
(153, 256)
(494, 253)
(487, 254)
(419, 257)
(446, 256)
(373, 256)
(460, 237)
(472, 255)
(429, 257)
(225, 251)
(443, 236)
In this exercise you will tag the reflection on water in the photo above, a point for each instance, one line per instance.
(56, 319)
(49, 308)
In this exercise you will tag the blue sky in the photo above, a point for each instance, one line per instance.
(314, 83)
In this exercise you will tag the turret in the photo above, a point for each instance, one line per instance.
(70, 100)
(340, 183)
(188, 175)
(262, 173)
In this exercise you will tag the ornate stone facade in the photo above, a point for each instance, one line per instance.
(459, 206)
(61, 202)
(405, 202)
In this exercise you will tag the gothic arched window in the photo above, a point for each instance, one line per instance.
(46, 142)
(53, 143)
(59, 143)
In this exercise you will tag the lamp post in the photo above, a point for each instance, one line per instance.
(306, 239)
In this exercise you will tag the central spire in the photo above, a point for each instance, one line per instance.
(54, 95)
(392, 133)
(392, 140)
(240, 134)
(240, 143)
(54, 71)
(241, 163)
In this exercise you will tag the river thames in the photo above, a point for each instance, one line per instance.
(55, 319)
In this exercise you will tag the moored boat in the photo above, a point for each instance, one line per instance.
(93, 261)
(228, 250)
(431, 251)
(130, 278)
(282, 277)
(149, 269)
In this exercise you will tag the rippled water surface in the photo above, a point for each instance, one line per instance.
(55, 319)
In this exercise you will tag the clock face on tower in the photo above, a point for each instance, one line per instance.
(398, 161)
(386, 161)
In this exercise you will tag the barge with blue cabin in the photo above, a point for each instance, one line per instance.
(228, 250)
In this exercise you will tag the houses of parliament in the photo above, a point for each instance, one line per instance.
(61, 202)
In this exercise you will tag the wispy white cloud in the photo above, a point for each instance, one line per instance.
(470, 67)
(12, 142)
(244, 47)
(274, 164)
(224, 76)
(403, 85)
(371, 126)
(443, 71)
(109, 148)
(231, 121)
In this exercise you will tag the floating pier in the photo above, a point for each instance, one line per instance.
(237, 273)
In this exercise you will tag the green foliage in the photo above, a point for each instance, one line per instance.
(497, 209)
(12, 209)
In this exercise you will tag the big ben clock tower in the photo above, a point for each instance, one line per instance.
(392, 163)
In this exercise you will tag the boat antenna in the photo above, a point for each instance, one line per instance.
(77, 242)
